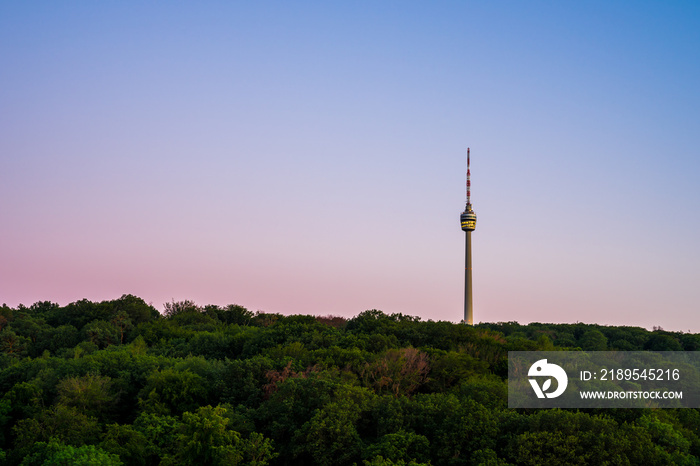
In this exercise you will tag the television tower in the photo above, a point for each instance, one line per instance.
(468, 221)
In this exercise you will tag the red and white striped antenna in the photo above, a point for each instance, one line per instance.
(469, 182)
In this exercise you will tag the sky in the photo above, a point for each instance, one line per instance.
(310, 157)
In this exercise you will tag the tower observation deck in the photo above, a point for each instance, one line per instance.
(468, 221)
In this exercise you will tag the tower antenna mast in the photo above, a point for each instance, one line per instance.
(469, 183)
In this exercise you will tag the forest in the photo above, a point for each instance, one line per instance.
(119, 383)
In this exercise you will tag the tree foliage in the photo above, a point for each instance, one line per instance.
(116, 382)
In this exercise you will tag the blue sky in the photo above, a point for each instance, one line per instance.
(309, 157)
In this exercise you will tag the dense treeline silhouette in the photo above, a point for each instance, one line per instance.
(116, 382)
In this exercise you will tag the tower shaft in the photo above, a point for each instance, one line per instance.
(468, 316)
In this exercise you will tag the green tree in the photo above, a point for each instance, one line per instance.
(401, 446)
(89, 394)
(487, 390)
(174, 308)
(538, 448)
(258, 450)
(64, 423)
(381, 461)
(665, 435)
(170, 391)
(231, 314)
(13, 344)
(332, 437)
(454, 427)
(565, 437)
(79, 313)
(450, 368)
(205, 439)
(135, 308)
(662, 342)
(25, 399)
(58, 454)
(161, 433)
(593, 340)
(101, 333)
(129, 444)
(27, 326)
(123, 324)
(57, 338)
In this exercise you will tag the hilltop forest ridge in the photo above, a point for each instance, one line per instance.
(117, 382)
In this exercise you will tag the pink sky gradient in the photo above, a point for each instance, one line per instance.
(310, 158)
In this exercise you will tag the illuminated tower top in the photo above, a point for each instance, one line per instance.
(468, 217)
